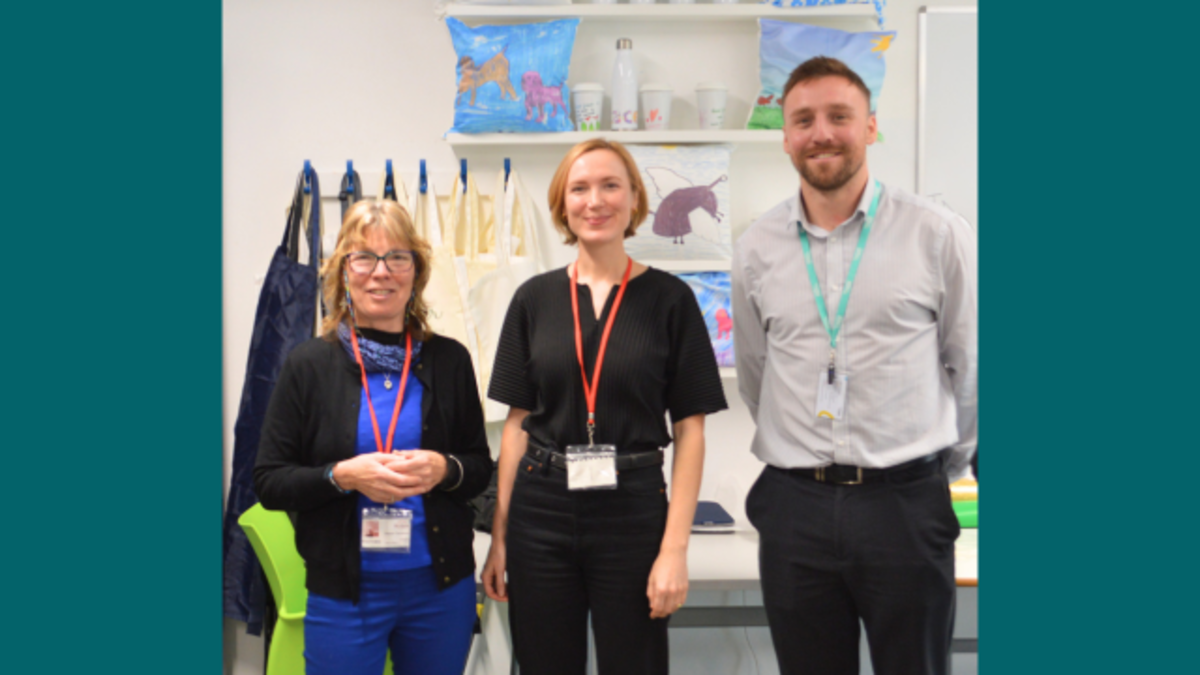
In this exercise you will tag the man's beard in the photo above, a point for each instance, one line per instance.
(826, 182)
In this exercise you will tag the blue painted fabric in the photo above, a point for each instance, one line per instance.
(879, 5)
(512, 78)
(408, 437)
(784, 45)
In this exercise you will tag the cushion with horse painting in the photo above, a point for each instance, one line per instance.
(783, 45)
(512, 78)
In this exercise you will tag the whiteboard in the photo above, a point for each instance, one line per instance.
(948, 108)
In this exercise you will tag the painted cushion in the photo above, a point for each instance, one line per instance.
(784, 45)
(512, 78)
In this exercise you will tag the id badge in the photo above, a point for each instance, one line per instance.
(387, 530)
(831, 398)
(591, 467)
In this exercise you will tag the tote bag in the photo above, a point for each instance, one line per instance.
(516, 259)
(286, 314)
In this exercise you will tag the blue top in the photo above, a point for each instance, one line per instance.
(408, 437)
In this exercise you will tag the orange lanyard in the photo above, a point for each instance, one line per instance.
(399, 395)
(589, 392)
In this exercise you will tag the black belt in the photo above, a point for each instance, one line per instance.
(633, 460)
(843, 474)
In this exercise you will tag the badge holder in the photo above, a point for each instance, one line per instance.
(386, 530)
(591, 467)
(831, 397)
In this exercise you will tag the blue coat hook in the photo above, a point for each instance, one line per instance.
(350, 175)
(389, 188)
(507, 169)
(424, 181)
(307, 177)
(462, 173)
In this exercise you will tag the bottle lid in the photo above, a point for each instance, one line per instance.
(624, 43)
(588, 86)
(707, 86)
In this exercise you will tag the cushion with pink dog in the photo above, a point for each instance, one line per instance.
(512, 78)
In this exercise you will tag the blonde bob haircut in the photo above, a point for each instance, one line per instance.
(558, 187)
(393, 219)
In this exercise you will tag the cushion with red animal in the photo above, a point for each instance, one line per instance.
(512, 78)
(783, 45)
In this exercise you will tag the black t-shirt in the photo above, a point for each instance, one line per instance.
(659, 359)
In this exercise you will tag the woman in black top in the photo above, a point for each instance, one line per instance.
(401, 577)
(620, 554)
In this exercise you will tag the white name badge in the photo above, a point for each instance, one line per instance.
(591, 467)
(387, 530)
(831, 398)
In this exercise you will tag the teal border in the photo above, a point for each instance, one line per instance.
(1088, 366)
(112, 414)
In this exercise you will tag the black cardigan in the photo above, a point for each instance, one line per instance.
(312, 422)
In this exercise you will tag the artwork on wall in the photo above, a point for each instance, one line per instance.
(784, 45)
(688, 191)
(512, 78)
(712, 292)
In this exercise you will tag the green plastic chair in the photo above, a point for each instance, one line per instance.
(274, 542)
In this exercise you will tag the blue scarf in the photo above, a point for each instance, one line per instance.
(377, 358)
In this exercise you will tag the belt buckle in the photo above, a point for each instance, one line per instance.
(822, 477)
(856, 481)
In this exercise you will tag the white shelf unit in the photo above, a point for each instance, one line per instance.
(658, 12)
(670, 137)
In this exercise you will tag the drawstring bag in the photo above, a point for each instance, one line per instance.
(286, 314)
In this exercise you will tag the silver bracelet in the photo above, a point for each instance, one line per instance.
(460, 473)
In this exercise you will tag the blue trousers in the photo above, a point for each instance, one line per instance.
(427, 630)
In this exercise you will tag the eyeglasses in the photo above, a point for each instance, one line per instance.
(365, 262)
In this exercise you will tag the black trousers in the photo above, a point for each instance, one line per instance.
(574, 552)
(830, 555)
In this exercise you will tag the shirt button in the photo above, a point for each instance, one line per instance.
(446, 579)
(435, 528)
(833, 240)
(839, 443)
(418, 366)
(441, 559)
(835, 287)
(424, 427)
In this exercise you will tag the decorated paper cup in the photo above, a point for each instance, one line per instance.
(710, 103)
(589, 99)
(656, 106)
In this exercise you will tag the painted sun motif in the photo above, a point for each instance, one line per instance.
(882, 44)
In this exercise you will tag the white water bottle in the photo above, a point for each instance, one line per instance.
(624, 89)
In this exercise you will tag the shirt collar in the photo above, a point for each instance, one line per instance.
(796, 207)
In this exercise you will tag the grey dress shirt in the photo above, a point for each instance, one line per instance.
(908, 344)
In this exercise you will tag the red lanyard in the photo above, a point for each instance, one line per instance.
(399, 395)
(589, 392)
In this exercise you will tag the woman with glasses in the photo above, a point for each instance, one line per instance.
(591, 360)
(374, 441)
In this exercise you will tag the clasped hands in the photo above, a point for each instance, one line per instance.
(388, 478)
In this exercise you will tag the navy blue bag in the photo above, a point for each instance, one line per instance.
(284, 318)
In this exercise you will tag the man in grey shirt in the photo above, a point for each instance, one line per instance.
(864, 410)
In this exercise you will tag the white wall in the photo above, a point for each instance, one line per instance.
(370, 80)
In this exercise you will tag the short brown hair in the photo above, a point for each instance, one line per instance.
(558, 187)
(824, 66)
(393, 219)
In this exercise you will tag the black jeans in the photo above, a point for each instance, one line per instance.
(574, 552)
(830, 555)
